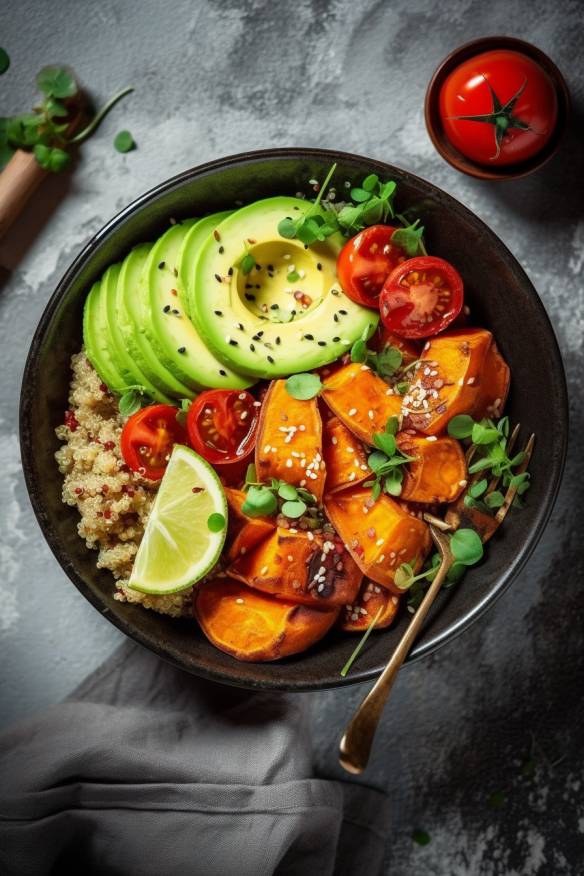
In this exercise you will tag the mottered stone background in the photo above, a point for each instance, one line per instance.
(496, 712)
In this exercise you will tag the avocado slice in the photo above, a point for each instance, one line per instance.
(96, 338)
(130, 321)
(124, 361)
(172, 335)
(189, 253)
(288, 314)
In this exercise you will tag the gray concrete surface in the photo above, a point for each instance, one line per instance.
(214, 78)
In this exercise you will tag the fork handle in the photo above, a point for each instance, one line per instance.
(355, 746)
(18, 181)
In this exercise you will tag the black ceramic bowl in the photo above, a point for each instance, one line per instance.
(501, 298)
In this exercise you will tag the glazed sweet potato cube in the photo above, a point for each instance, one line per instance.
(361, 400)
(289, 440)
(254, 627)
(493, 386)
(355, 618)
(438, 473)
(379, 535)
(344, 455)
(447, 380)
(293, 564)
(244, 532)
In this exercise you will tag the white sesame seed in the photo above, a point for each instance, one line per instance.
(352, 476)
(352, 412)
(267, 448)
(371, 415)
(310, 536)
(264, 570)
(290, 558)
(395, 600)
(462, 483)
(470, 381)
(239, 601)
(431, 438)
(334, 440)
(379, 542)
(288, 463)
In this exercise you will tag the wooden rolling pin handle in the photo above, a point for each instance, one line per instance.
(18, 181)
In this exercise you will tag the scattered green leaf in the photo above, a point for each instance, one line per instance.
(288, 492)
(294, 509)
(461, 426)
(410, 238)
(466, 546)
(56, 82)
(361, 643)
(216, 522)
(303, 386)
(124, 142)
(134, 398)
(4, 61)
(421, 837)
(260, 501)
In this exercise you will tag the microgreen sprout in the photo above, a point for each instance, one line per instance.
(303, 386)
(489, 439)
(44, 131)
(410, 238)
(386, 462)
(134, 398)
(312, 225)
(361, 642)
(266, 499)
(373, 203)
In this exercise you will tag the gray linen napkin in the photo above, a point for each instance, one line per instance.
(147, 770)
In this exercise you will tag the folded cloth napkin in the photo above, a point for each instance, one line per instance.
(147, 770)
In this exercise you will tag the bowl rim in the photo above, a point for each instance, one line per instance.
(418, 651)
(456, 158)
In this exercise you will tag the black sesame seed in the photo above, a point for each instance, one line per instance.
(248, 286)
(222, 372)
(309, 337)
(343, 312)
(161, 265)
(278, 340)
(293, 312)
(336, 339)
(305, 246)
(218, 313)
(230, 272)
(322, 343)
(257, 285)
(181, 350)
(175, 311)
(270, 267)
(335, 317)
(221, 250)
(233, 343)
(252, 347)
(335, 292)
(318, 266)
(249, 296)
(274, 306)
(258, 267)
(218, 278)
(174, 270)
(268, 345)
(260, 333)
(166, 308)
(240, 326)
(270, 360)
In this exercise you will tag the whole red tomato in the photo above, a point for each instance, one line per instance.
(498, 108)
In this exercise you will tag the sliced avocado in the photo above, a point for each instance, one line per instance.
(286, 314)
(173, 337)
(124, 361)
(130, 321)
(189, 253)
(96, 338)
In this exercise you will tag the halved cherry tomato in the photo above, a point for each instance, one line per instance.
(365, 262)
(222, 425)
(421, 297)
(148, 438)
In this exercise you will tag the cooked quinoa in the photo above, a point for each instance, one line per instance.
(113, 501)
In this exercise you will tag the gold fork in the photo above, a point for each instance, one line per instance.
(357, 741)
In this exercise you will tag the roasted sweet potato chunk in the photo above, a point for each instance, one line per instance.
(289, 441)
(361, 400)
(355, 618)
(379, 535)
(254, 627)
(344, 455)
(244, 532)
(293, 565)
(447, 380)
(438, 473)
(494, 385)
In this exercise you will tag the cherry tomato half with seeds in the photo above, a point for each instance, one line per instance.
(421, 297)
(222, 425)
(148, 438)
(365, 262)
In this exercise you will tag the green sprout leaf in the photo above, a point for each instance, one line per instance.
(134, 398)
(294, 509)
(124, 142)
(56, 82)
(287, 491)
(259, 502)
(51, 157)
(247, 263)
(466, 547)
(216, 522)
(389, 361)
(461, 426)
(392, 426)
(359, 351)
(4, 61)
(410, 238)
(303, 386)
(421, 837)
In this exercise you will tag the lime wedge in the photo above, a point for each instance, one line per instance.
(180, 545)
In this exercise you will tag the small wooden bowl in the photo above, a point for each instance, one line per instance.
(434, 122)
